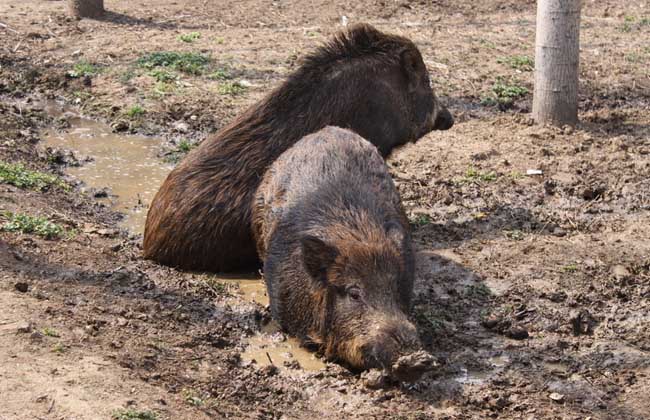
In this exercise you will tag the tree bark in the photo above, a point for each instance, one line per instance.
(86, 8)
(557, 57)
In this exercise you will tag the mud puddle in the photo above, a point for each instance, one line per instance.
(126, 165)
(479, 377)
(269, 346)
(272, 347)
(129, 167)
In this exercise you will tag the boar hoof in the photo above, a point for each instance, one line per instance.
(410, 367)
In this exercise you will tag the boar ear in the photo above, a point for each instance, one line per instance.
(317, 256)
(411, 65)
(395, 233)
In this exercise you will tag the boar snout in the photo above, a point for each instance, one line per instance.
(392, 341)
(443, 120)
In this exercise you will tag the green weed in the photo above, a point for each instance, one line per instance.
(231, 88)
(428, 318)
(479, 290)
(191, 397)
(220, 74)
(183, 148)
(163, 75)
(504, 94)
(474, 175)
(135, 111)
(518, 62)
(570, 268)
(16, 174)
(419, 220)
(515, 234)
(82, 69)
(50, 332)
(190, 63)
(132, 414)
(32, 224)
(190, 37)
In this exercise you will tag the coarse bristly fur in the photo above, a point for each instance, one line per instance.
(335, 242)
(373, 83)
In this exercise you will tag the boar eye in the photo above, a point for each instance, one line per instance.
(354, 293)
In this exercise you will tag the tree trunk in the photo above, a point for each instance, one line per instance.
(86, 8)
(557, 56)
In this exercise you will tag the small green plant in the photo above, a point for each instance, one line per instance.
(182, 148)
(219, 40)
(632, 58)
(161, 89)
(504, 94)
(516, 234)
(163, 75)
(232, 88)
(421, 219)
(135, 111)
(428, 319)
(626, 27)
(50, 332)
(190, 63)
(570, 268)
(32, 224)
(488, 44)
(83, 69)
(474, 175)
(190, 37)
(218, 287)
(191, 397)
(82, 95)
(16, 174)
(515, 175)
(58, 348)
(220, 74)
(131, 414)
(478, 290)
(127, 76)
(518, 62)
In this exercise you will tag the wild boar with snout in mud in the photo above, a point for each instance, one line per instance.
(337, 254)
(373, 83)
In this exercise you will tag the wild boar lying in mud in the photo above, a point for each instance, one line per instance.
(337, 254)
(373, 83)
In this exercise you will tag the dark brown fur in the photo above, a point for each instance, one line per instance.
(338, 260)
(373, 83)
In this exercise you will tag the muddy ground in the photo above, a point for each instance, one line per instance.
(533, 290)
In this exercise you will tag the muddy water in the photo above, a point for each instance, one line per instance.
(127, 165)
(270, 345)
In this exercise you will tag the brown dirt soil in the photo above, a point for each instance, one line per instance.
(534, 291)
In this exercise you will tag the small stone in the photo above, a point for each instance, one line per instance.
(517, 333)
(558, 398)
(120, 125)
(592, 193)
(22, 287)
(269, 370)
(582, 323)
(558, 231)
(24, 328)
(620, 273)
(181, 126)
